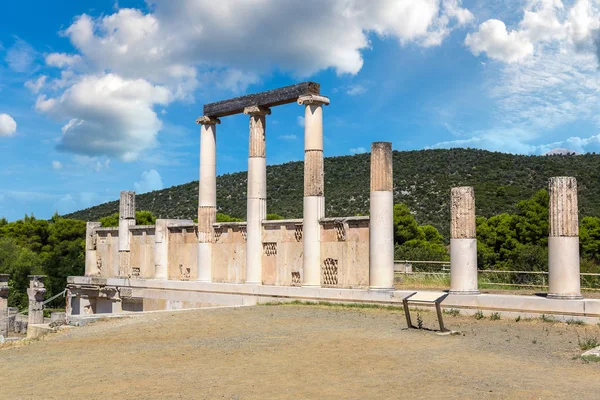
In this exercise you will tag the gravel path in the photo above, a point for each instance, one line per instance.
(308, 352)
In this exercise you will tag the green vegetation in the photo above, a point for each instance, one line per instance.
(588, 343)
(335, 305)
(422, 181)
(495, 316)
(54, 248)
(479, 315)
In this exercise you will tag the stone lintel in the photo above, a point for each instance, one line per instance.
(205, 120)
(313, 99)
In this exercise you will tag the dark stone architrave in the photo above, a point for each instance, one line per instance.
(270, 98)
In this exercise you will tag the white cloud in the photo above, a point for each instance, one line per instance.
(493, 39)
(21, 56)
(288, 137)
(355, 90)
(117, 121)
(37, 85)
(300, 121)
(150, 181)
(96, 163)
(61, 60)
(134, 61)
(56, 165)
(358, 150)
(8, 126)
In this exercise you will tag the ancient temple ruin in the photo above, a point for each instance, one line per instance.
(177, 264)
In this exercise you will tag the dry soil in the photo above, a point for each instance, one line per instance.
(302, 352)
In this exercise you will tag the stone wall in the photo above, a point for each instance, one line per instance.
(344, 250)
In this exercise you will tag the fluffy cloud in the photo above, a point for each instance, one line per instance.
(56, 165)
(8, 126)
(21, 56)
(150, 181)
(166, 54)
(118, 120)
(543, 21)
(37, 85)
(358, 150)
(493, 39)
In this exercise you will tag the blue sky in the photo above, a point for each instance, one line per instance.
(98, 97)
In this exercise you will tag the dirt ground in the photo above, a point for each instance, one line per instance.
(302, 352)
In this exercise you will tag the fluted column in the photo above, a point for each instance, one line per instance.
(91, 260)
(314, 187)
(381, 218)
(4, 289)
(36, 292)
(126, 219)
(207, 196)
(463, 242)
(563, 242)
(161, 249)
(257, 193)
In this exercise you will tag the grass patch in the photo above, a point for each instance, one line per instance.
(574, 321)
(587, 343)
(479, 315)
(547, 318)
(416, 281)
(518, 318)
(588, 359)
(452, 312)
(495, 316)
(335, 305)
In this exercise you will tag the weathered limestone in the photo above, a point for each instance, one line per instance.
(463, 242)
(36, 294)
(563, 242)
(4, 289)
(257, 193)
(91, 260)
(207, 196)
(381, 223)
(126, 220)
(161, 249)
(314, 185)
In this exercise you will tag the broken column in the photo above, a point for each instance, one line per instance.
(314, 187)
(4, 305)
(257, 193)
(126, 220)
(563, 242)
(463, 242)
(381, 220)
(91, 260)
(36, 292)
(207, 195)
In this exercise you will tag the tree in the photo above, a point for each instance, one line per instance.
(274, 217)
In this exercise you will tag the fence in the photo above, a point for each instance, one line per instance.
(498, 277)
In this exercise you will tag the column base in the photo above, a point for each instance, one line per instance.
(386, 288)
(564, 296)
(465, 292)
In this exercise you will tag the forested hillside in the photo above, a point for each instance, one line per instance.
(422, 180)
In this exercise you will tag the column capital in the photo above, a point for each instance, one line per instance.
(257, 111)
(206, 120)
(313, 99)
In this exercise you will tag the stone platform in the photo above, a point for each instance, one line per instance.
(93, 295)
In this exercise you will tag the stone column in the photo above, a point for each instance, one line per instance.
(381, 219)
(91, 260)
(207, 195)
(463, 243)
(314, 187)
(161, 249)
(36, 294)
(4, 289)
(563, 243)
(257, 193)
(126, 220)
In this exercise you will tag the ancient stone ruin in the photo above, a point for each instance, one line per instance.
(178, 264)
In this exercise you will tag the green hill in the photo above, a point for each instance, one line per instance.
(422, 180)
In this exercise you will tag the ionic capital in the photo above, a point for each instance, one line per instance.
(257, 111)
(313, 99)
(205, 120)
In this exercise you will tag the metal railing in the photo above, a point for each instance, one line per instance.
(543, 274)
